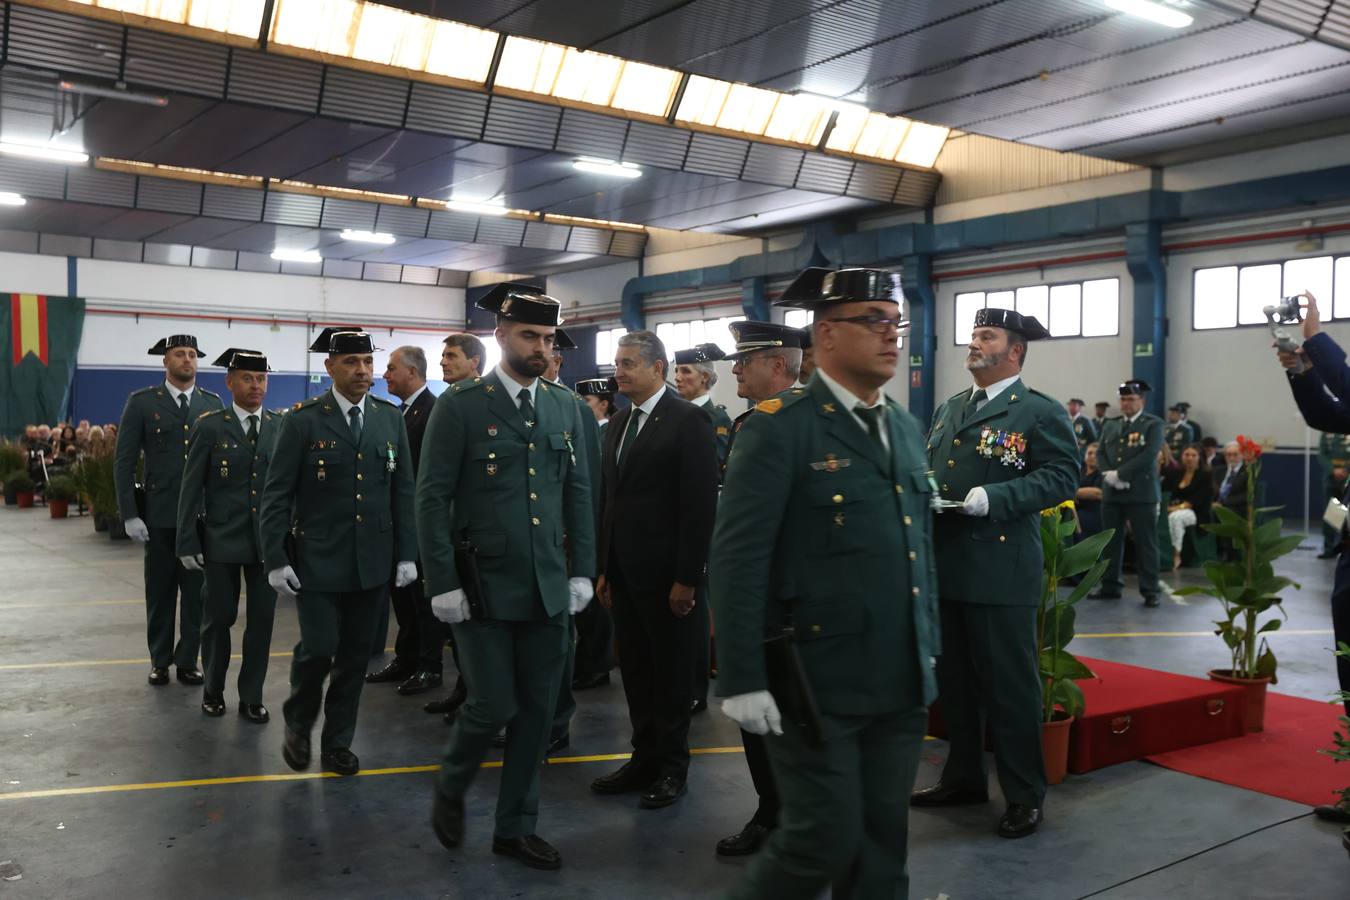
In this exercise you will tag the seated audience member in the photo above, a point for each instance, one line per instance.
(82, 436)
(1210, 453)
(1088, 499)
(1167, 463)
(64, 445)
(96, 440)
(1230, 481)
(1191, 490)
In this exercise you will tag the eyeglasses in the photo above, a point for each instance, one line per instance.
(875, 323)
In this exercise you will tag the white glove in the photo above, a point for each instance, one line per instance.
(192, 563)
(451, 608)
(755, 712)
(405, 573)
(1112, 478)
(977, 502)
(579, 593)
(284, 581)
(136, 530)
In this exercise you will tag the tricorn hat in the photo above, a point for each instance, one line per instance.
(1134, 388)
(164, 345)
(1029, 327)
(597, 387)
(343, 339)
(246, 360)
(324, 339)
(522, 303)
(563, 341)
(816, 287)
(700, 353)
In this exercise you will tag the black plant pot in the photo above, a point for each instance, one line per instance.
(117, 531)
(11, 495)
(100, 522)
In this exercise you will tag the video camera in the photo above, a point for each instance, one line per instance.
(1287, 312)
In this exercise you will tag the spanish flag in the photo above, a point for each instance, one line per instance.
(28, 322)
(38, 367)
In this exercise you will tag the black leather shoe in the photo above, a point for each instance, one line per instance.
(1151, 601)
(190, 676)
(499, 739)
(561, 742)
(531, 849)
(663, 792)
(447, 819)
(627, 778)
(295, 750)
(942, 795)
(698, 706)
(1104, 595)
(1019, 821)
(1329, 554)
(254, 712)
(213, 706)
(158, 676)
(1334, 812)
(586, 682)
(395, 671)
(745, 842)
(340, 760)
(450, 703)
(419, 683)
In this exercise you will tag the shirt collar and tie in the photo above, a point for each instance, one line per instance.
(637, 418)
(876, 414)
(513, 387)
(407, 404)
(249, 421)
(354, 413)
(991, 391)
(181, 398)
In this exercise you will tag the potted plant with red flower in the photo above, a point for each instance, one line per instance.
(1247, 590)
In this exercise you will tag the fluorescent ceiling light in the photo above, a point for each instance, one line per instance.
(238, 17)
(300, 256)
(9, 198)
(607, 167)
(113, 93)
(922, 144)
(478, 209)
(52, 154)
(1161, 13)
(367, 237)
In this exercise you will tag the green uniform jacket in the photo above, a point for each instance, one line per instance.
(513, 491)
(1333, 451)
(1130, 449)
(1021, 449)
(809, 526)
(349, 508)
(590, 436)
(223, 482)
(721, 422)
(1084, 431)
(1179, 436)
(153, 424)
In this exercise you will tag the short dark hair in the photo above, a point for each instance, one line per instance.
(1209, 442)
(470, 346)
(1015, 339)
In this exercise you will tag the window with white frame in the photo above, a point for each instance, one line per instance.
(683, 335)
(1229, 296)
(1068, 309)
(606, 343)
(492, 351)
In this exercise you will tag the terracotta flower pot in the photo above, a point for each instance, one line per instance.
(59, 508)
(1055, 747)
(25, 499)
(1254, 697)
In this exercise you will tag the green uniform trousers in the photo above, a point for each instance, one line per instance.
(165, 579)
(845, 814)
(1143, 519)
(222, 609)
(989, 671)
(566, 705)
(335, 631)
(512, 673)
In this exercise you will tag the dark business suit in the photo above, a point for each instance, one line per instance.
(1323, 396)
(656, 518)
(420, 634)
(1236, 497)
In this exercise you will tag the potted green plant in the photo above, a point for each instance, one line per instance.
(23, 488)
(12, 486)
(1340, 750)
(94, 480)
(60, 491)
(12, 457)
(1062, 699)
(1247, 590)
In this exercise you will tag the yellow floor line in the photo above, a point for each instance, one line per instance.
(307, 776)
(120, 662)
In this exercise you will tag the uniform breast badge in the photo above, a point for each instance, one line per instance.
(571, 451)
(492, 468)
(1134, 439)
(391, 458)
(321, 475)
(492, 431)
(831, 463)
(1008, 447)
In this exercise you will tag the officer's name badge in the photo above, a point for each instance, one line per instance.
(1134, 439)
(323, 445)
(1008, 447)
(831, 463)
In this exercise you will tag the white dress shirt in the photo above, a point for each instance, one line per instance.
(993, 390)
(346, 405)
(847, 399)
(643, 412)
(243, 415)
(417, 393)
(175, 393)
(514, 387)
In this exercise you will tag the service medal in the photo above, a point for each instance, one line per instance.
(492, 431)
(391, 463)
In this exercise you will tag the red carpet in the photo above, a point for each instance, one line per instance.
(1281, 761)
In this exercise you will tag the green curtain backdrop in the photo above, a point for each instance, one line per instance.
(41, 338)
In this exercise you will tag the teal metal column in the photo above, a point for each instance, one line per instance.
(754, 300)
(1143, 258)
(916, 277)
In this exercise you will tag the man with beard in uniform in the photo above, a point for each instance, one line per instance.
(155, 423)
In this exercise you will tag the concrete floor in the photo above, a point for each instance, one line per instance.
(76, 714)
